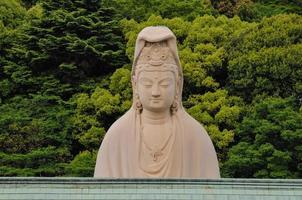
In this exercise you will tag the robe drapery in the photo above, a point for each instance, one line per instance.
(192, 154)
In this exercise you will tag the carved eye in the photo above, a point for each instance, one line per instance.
(146, 83)
(165, 83)
(148, 57)
(164, 86)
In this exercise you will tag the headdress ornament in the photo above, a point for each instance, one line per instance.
(156, 56)
(156, 45)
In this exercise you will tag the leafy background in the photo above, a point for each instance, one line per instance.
(65, 78)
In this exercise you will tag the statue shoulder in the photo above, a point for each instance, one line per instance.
(121, 126)
(198, 139)
(109, 156)
(197, 131)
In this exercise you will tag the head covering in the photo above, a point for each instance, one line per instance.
(155, 34)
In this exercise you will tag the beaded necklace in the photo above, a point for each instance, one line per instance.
(157, 152)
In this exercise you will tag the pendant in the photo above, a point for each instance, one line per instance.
(156, 154)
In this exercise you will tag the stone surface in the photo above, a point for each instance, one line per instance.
(91, 188)
(157, 138)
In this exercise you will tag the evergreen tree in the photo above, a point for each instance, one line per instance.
(267, 59)
(269, 141)
(62, 50)
(143, 9)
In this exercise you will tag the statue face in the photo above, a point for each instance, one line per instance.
(156, 90)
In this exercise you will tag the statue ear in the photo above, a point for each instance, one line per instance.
(137, 103)
(174, 106)
(134, 83)
(178, 85)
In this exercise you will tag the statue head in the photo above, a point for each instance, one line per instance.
(156, 72)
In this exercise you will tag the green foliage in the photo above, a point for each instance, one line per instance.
(254, 10)
(267, 58)
(82, 165)
(30, 3)
(247, 10)
(219, 113)
(120, 83)
(65, 46)
(99, 109)
(143, 9)
(11, 13)
(49, 53)
(274, 7)
(34, 136)
(270, 142)
(94, 114)
(225, 7)
(206, 67)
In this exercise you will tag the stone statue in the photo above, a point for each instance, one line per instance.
(156, 138)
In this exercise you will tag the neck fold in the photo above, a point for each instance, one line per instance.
(155, 118)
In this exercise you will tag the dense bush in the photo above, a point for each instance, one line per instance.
(269, 141)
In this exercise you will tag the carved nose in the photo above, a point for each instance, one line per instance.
(155, 91)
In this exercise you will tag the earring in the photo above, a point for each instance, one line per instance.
(138, 104)
(174, 106)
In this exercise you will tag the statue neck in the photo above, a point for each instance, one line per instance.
(155, 117)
